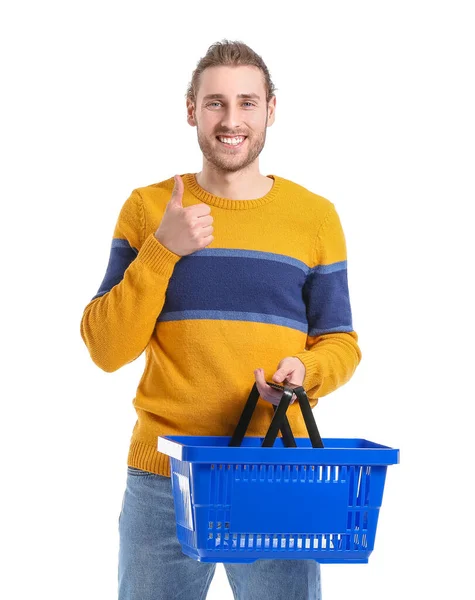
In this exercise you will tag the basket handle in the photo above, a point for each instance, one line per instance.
(280, 420)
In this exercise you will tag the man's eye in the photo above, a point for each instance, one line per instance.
(211, 103)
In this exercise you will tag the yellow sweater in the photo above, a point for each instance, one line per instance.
(273, 283)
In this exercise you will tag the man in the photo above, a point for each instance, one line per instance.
(218, 275)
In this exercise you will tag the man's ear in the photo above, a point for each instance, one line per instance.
(190, 113)
(271, 111)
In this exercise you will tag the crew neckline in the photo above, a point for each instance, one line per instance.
(189, 179)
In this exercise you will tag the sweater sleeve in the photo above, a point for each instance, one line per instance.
(118, 322)
(331, 353)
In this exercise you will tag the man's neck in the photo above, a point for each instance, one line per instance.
(235, 186)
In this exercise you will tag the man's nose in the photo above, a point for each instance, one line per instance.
(231, 119)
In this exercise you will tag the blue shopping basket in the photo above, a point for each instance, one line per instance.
(238, 499)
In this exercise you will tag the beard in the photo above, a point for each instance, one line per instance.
(227, 160)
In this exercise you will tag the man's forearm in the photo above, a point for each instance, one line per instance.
(330, 361)
(117, 326)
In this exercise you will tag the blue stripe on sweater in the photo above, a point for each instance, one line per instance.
(238, 253)
(247, 285)
(121, 255)
(331, 268)
(222, 315)
(327, 299)
(252, 284)
(261, 287)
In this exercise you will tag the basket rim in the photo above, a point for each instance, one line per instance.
(337, 451)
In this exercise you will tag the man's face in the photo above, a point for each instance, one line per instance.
(230, 115)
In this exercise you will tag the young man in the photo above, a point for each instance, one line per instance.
(224, 277)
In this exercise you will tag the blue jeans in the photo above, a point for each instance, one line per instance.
(153, 567)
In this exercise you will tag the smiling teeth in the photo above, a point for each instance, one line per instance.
(231, 140)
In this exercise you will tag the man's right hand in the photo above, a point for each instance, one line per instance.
(184, 230)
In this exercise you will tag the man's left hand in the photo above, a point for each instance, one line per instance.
(289, 370)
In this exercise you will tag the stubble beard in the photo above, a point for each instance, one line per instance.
(230, 162)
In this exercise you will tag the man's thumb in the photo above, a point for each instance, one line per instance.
(177, 192)
(279, 375)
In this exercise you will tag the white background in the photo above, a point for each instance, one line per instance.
(374, 112)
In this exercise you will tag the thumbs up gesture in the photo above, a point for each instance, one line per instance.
(184, 230)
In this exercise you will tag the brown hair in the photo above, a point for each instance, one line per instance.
(227, 53)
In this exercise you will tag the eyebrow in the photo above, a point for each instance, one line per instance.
(212, 96)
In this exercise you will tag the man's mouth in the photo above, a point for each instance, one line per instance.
(231, 142)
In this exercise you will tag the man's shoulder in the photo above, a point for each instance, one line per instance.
(308, 197)
(154, 198)
(160, 188)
